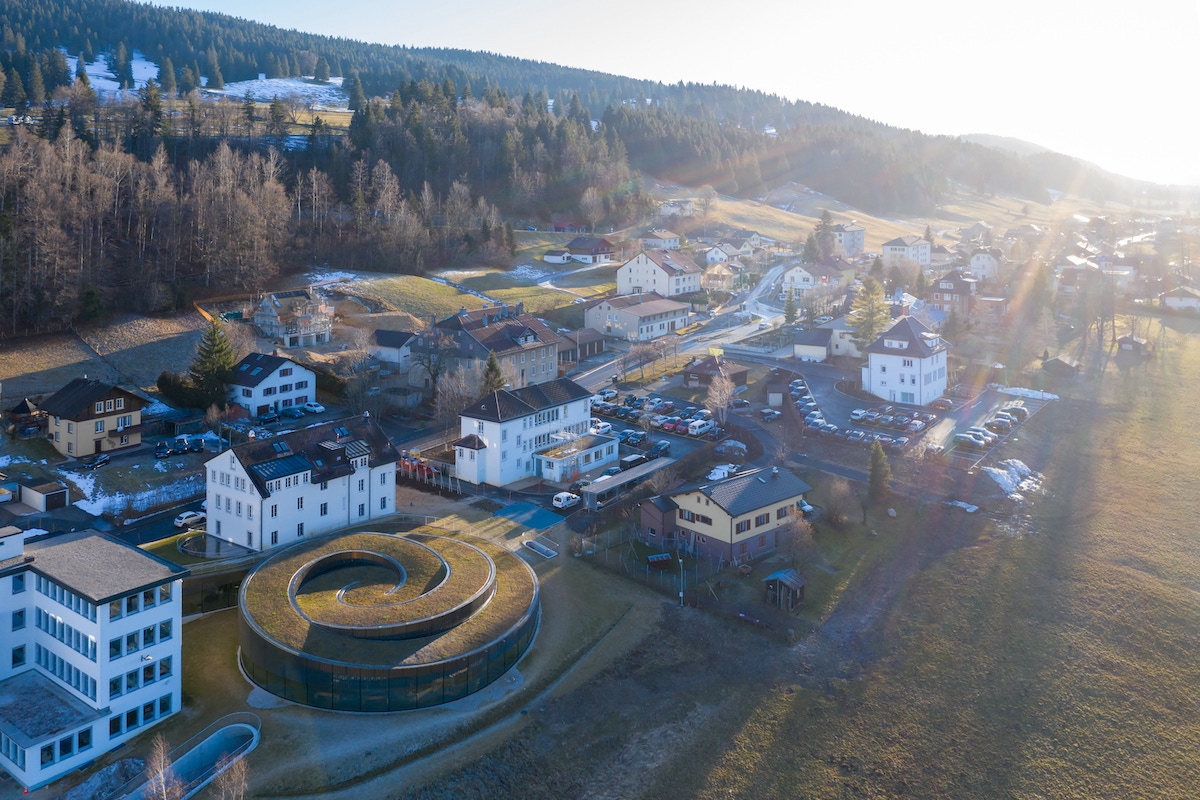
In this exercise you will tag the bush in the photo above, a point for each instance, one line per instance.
(177, 389)
(328, 382)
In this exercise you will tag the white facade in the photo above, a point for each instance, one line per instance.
(264, 504)
(512, 445)
(635, 321)
(797, 279)
(107, 667)
(270, 383)
(902, 368)
(906, 249)
(850, 239)
(985, 265)
(716, 255)
(666, 274)
(1183, 298)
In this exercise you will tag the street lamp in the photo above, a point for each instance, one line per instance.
(681, 581)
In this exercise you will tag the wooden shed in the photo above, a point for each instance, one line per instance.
(785, 589)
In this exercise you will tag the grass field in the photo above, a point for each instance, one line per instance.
(418, 296)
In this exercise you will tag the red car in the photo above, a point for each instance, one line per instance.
(667, 407)
(942, 404)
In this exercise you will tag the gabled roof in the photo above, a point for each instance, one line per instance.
(78, 397)
(26, 406)
(500, 328)
(643, 305)
(385, 338)
(659, 233)
(750, 491)
(1182, 291)
(918, 341)
(714, 366)
(815, 337)
(848, 227)
(905, 241)
(590, 244)
(673, 262)
(504, 404)
(471, 442)
(256, 368)
(324, 450)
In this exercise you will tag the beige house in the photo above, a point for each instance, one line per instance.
(739, 518)
(88, 417)
(718, 277)
(637, 317)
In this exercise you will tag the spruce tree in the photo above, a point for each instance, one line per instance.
(166, 76)
(14, 91)
(321, 71)
(493, 377)
(211, 366)
(870, 314)
(357, 98)
(789, 307)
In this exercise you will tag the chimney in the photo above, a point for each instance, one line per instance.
(504, 311)
(520, 307)
(462, 311)
(774, 472)
(250, 435)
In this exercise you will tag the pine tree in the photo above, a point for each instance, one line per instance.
(166, 76)
(929, 235)
(358, 98)
(870, 314)
(824, 234)
(879, 475)
(210, 367)
(493, 377)
(789, 307)
(321, 71)
(14, 91)
(812, 252)
(215, 79)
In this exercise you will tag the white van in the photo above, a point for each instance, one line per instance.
(700, 427)
(564, 500)
(600, 427)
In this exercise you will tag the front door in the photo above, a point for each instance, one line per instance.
(98, 441)
(892, 395)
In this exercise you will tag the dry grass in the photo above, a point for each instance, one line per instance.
(420, 297)
(41, 365)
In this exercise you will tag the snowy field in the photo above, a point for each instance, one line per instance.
(321, 96)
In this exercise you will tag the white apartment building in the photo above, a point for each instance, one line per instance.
(262, 383)
(93, 649)
(664, 272)
(271, 492)
(524, 433)
(906, 249)
(850, 238)
(637, 317)
(907, 364)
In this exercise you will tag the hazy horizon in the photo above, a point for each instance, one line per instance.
(1099, 81)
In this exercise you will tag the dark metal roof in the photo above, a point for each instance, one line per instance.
(324, 450)
(752, 490)
(788, 577)
(505, 405)
(256, 368)
(94, 565)
(77, 398)
(814, 337)
(471, 442)
(920, 342)
(385, 338)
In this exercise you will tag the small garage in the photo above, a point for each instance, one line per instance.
(44, 496)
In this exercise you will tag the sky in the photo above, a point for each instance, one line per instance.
(1108, 81)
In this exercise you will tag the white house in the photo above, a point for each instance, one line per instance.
(677, 208)
(261, 383)
(665, 272)
(716, 255)
(907, 364)
(986, 263)
(93, 632)
(294, 318)
(271, 492)
(394, 347)
(1183, 298)
(637, 317)
(536, 431)
(841, 340)
(797, 279)
(850, 238)
(557, 256)
(906, 249)
(658, 239)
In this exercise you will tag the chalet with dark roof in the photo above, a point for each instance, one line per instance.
(274, 491)
(907, 364)
(88, 417)
(510, 435)
(703, 372)
(737, 518)
(392, 346)
(526, 348)
(954, 292)
(591, 250)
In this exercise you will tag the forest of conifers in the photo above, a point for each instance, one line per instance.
(141, 202)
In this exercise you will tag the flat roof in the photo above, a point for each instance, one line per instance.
(97, 566)
(33, 708)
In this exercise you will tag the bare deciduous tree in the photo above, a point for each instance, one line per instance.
(720, 395)
(232, 780)
(799, 545)
(837, 502)
(162, 783)
(456, 389)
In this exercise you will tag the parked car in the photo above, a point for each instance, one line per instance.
(564, 500)
(314, 408)
(702, 413)
(700, 427)
(659, 449)
(815, 424)
(898, 444)
(821, 320)
(609, 393)
(292, 412)
(829, 429)
(997, 425)
(666, 407)
(653, 404)
(635, 460)
(99, 461)
(901, 421)
(624, 434)
(196, 444)
(162, 450)
(796, 382)
(968, 439)
(739, 404)
(579, 484)
(623, 412)
(671, 423)
(601, 428)
(870, 416)
(885, 420)
(916, 426)
(855, 436)
(268, 418)
(769, 415)
(611, 471)
(983, 433)
(636, 438)
(1021, 413)
(858, 414)
(687, 412)
(190, 519)
(179, 446)
(1007, 417)
(942, 404)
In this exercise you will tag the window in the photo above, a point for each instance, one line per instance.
(18, 656)
(362, 485)
(164, 667)
(108, 405)
(324, 485)
(164, 593)
(131, 604)
(761, 519)
(100, 407)
(383, 479)
(299, 503)
(908, 362)
(99, 426)
(283, 373)
(247, 393)
(120, 403)
(274, 538)
(18, 583)
(114, 725)
(114, 649)
(383, 504)
(164, 705)
(274, 510)
(164, 630)
(324, 509)
(762, 540)
(84, 739)
(743, 526)
(362, 509)
(148, 635)
(249, 538)
(780, 513)
(70, 427)
(299, 528)
(301, 385)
